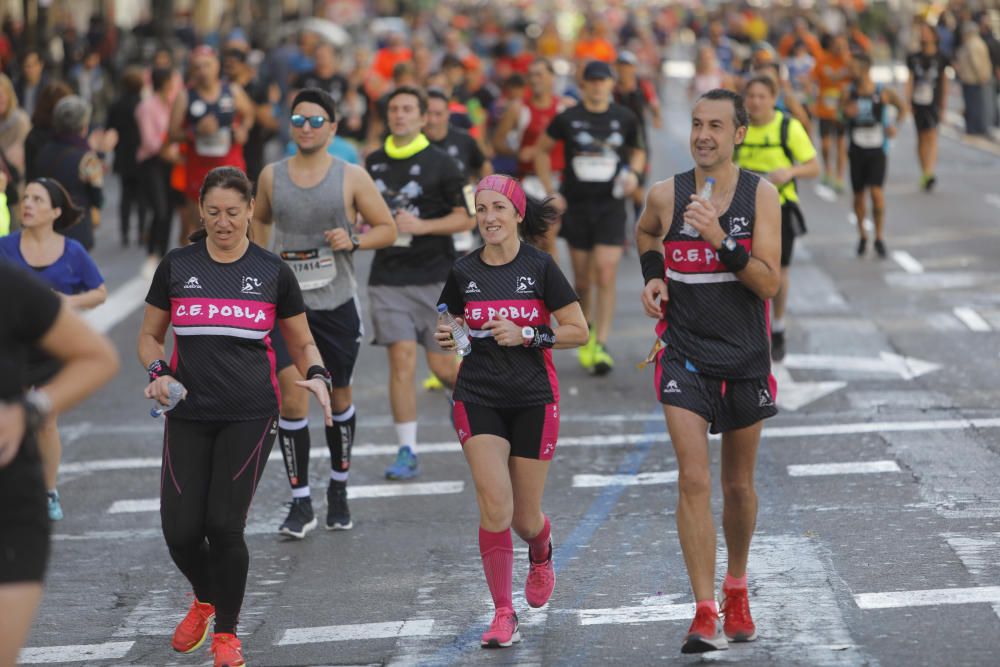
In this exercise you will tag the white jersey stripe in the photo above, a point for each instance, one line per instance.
(701, 278)
(221, 331)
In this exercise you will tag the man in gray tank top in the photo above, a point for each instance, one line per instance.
(311, 201)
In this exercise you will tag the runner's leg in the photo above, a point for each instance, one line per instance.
(582, 269)
(878, 211)
(487, 456)
(739, 507)
(606, 259)
(19, 602)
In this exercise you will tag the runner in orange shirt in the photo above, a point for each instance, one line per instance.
(593, 44)
(831, 76)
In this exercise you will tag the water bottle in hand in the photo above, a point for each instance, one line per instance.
(459, 332)
(618, 186)
(706, 193)
(176, 394)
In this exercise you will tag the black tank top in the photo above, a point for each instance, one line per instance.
(713, 320)
(218, 143)
(867, 129)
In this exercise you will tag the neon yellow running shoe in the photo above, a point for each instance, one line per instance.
(585, 353)
(432, 383)
(603, 363)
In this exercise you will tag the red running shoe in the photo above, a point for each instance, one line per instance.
(227, 650)
(705, 634)
(735, 608)
(193, 630)
(503, 630)
(541, 580)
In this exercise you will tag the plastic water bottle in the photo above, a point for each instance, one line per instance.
(618, 187)
(176, 394)
(706, 190)
(459, 332)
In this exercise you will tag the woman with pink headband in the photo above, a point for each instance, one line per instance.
(507, 394)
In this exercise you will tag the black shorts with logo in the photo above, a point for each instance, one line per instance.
(24, 518)
(925, 117)
(868, 166)
(532, 431)
(727, 405)
(337, 333)
(590, 222)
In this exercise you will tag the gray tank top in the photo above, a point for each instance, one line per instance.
(301, 215)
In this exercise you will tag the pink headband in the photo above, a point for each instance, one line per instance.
(508, 187)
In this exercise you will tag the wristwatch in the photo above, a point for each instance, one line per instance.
(37, 406)
(355, 243)
(729, 244)
(528, 336)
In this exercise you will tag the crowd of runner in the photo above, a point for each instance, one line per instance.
(459, 153)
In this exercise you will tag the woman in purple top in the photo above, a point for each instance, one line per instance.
(62, 262)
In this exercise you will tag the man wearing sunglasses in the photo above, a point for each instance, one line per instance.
(425, 190)
(311, 201)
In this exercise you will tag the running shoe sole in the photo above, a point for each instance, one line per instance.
(742, 638)
(699, 644)
(200, 641)
(493, 643)
(336, 525)
(288, 532)
(601, 369)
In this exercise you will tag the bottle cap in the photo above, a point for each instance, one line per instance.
(710, 179)
(442, 308)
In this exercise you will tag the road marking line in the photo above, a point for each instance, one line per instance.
(775, 432)
(928, 598)
(642, 479)
(972, 319)
(74, 653)
(353, 493)
(907, 262)
(852, 468)
(793, 395)
(118, 305)
(340, 633)
(887, 362)
(639, 614)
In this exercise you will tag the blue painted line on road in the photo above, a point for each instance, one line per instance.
(566, 550)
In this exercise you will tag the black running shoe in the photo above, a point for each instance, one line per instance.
(862, 245)
(300, 519)
(338, 516)
(880, 248)
(777, 345)
(929, 183)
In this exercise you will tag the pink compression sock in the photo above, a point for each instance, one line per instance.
(732, 582)
(711, 605)
(497, 550)
(538, 546)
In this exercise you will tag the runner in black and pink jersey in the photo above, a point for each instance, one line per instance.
(222, 295)
(721, 256)
(507, 394)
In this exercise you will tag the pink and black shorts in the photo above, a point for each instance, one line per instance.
(532, 431)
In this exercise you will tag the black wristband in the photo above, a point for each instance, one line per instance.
(157, 369)
(652, 265)
(544, 338)
(735, 260)
(321, 373)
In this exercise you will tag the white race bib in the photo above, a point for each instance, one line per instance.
(313, 268)
(216, 144)
(923, 93)
(868, 137)
(595, 168)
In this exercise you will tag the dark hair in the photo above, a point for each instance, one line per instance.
(319, 97)
(48, 97)
(160, 77)
(408, 90)
(451, 61)
(236, 54)
(399, 70)
(763, 80)
(132, 79)
(437, 94)
(863, 59)
(544, 61)
(740, 115)
(227, 178)
(70, 213)
(513, 81)
(538, 217)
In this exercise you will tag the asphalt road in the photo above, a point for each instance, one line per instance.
(879, 530)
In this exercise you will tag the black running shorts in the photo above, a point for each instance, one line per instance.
(24, 518)
(590, 222)
(727, 405)
(337, 333)
(868, 166)
(788, 233)
(531, 431)
(925, 117)
(830, 128)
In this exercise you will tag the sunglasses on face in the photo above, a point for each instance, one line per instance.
(315, 122)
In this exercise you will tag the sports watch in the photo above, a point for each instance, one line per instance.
(355, 243)
(528, 336)
(729, 243)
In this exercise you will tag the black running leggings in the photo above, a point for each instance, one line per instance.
(209, 475)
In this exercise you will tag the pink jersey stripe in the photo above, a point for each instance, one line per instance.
(462, 427)
(526, 312)
(696, 256)
(242, 313)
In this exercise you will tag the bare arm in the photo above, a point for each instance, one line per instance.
(261, 226)
(637, 160)
(244, 107)
(177, 111)
(304, 353)
(373, 210)
(89, 299)
(88, 359)
(543, 163)
(809, 169)
(152, 333)
(649, 232)
(572, 330)
(458, 220)
(507, 122)
(893, 98)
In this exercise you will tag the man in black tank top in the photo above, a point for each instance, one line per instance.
(311, 202)
(708, 285)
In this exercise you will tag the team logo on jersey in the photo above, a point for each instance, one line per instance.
(251, 285)
(688, 230)
(378, 167)
(672, 388)
(549, 448)
(198, 108)
(415, 170)
(765, 399)
(461, 434)
(738, 225)
(192, 283)
(472, 288)
(525, 284)
(615, 125)
(453, 150)
(577, 124)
